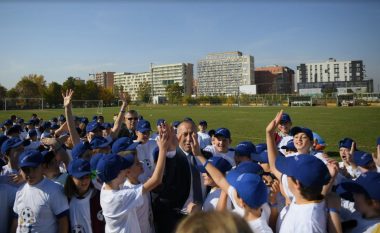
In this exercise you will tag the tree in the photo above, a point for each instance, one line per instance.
(39, 80)
(144, 92)
(12, 93)
(3, 92)
(174, 93)
(27, 89)
(91, 91)
(106, 95)
(53, 94)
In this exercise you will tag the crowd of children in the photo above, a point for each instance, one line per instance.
(70, 174)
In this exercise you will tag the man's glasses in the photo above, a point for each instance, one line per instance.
(132, 118)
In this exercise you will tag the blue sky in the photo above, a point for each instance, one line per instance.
(63, 39)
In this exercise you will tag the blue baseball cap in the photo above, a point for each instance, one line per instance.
(143, 126)
(32, 133)
(107, 125)
(61, 118)
(83, 120)
(245, 148)
(109, 166)
(296, 130)
(11, 143)
(378, 141)
(54, 126)
(30, 158)
(3, 138)
(160, 121)
(362, 158)
(124, 144)
(79, 168)
(20, 121)
(203, 122)
(244, 167)
(346, 143)
(221, 164)
(95, 118)
(285, 118)
(251, 189)
(8, 122)
(307, 169)
(14, 129)
(79, 149)
(46, 124)
(93, 125)
(99, 142)
(261, 147)
(367, 183)
(290, 146)
(176, 124)
(30, 122)
(95, 160)
(223, 132)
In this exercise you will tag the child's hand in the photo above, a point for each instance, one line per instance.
(271, 127)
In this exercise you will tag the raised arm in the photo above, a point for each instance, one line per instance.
(215, 174)
(271, 144)
(163, 144)
(67, 98)
(120, 117)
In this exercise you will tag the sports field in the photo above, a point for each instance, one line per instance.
(248, 123)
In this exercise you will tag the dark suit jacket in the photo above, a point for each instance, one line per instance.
(124, 132)
(172, 193)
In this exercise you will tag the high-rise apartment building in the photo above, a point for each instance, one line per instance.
(342, 75)
(163, 75)
(104, 79)
(224, 73)
(130, 82)
(274, 80)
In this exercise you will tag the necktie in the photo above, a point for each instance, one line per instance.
(197, 189)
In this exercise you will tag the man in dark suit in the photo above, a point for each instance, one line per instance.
(128, 129)
(181, 183)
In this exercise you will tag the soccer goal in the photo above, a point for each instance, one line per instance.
(23, 103)
(300, 101)
(81, 107)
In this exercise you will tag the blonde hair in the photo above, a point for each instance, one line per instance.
(213, 222)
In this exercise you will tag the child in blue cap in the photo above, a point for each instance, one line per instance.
(84, 200)
(40, 204)
(118, 202)
(365, 192)
(220, 145)
(248, 190)
(305, 176)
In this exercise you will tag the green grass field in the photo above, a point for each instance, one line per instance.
(248, 123)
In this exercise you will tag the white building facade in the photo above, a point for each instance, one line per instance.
(311, 78)
(130, 82)
(163, 75)
(223, 73)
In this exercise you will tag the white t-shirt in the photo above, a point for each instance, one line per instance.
(7, 198)
(265, 214)
(363, 225)
(145, 155)
(303, 218)
(80, 216)
(229, 156)
(38, 205)
(354, 173)
(212, 199)
(144, 212)
(204, 139)
(259, 225)
(119, 209)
